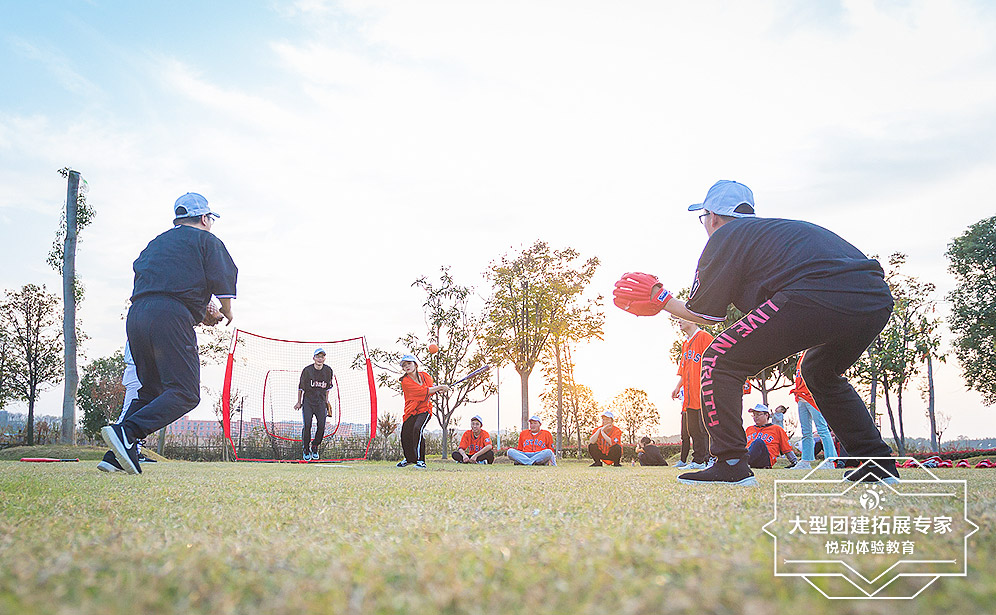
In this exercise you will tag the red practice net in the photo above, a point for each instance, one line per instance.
(260, 391)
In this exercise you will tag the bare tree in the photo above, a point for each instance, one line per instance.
(634, 410)
(31, 316)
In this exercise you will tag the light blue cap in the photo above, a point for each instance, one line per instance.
(319, 351)
(728, 198)
(409, 357)
(192, 204)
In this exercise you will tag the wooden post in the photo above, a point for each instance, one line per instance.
(69, 315)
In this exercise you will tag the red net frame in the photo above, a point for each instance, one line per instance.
(260, 389)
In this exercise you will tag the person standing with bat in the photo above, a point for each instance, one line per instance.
(800, 287)
(175, 277)
(417, 387)
(313, 401)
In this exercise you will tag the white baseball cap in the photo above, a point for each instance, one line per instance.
(477, 417)
(536, 418)
(760, 408)
(609, 414)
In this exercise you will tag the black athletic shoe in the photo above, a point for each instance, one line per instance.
(721, 473)
(878, 470)
(596, 464)
(109, 463)
(143, 459)
(126, 452)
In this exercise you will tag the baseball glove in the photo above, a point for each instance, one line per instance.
(213, 315)
(640, 294)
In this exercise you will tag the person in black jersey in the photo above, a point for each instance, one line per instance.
(175, 277)
(800, 287)
(313, 400)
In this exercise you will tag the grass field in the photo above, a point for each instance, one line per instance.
(371, 538)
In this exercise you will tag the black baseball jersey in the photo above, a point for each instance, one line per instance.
(747, 260)
(315, 383)
(189, 264)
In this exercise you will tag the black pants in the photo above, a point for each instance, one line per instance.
(163, 344)
(788, 323)
(614, 455)
(309, 410)
(757, 454)
(693, 428)
(412, 442)
(488, 456)
(652, 457)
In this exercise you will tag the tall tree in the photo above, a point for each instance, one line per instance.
(76, 216)
(535, 296)
(972, 257)
(576, 402)
(31, 315)
(910, 336)
(457, 332)
(635, 412)
(101, 394)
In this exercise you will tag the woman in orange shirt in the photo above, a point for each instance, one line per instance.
(417, 387)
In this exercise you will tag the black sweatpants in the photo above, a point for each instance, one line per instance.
(614, 455)
(412, 442)
(788, 323)
(163, 344)
(488, 456)
(692, 428)
(307, 411)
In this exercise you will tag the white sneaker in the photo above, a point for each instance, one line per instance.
(306, 456)
(696, 466)
(801, 465)
(681, 464)
(314, 456)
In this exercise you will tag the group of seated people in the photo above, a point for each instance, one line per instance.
(766, 441)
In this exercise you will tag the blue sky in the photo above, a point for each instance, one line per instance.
(387, 139)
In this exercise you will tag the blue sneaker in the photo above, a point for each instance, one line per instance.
(124, 451)
(681, 464)
(306, 456)
(420, 464)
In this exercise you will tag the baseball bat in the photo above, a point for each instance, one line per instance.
(45, 459)
(472, 374)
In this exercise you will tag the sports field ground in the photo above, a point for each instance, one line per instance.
(371, 538)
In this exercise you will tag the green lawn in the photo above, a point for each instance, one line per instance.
(371, 538)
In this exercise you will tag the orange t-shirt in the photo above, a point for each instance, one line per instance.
(774, 438)
(800, 390)
(416, 395)
(690, 369)
(614, 433)
(530, 442)
(471, 445)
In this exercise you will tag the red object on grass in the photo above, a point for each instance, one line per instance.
(45, 459)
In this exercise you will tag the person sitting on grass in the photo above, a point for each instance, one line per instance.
(649, 454)
(475, 445)
(605, 443)
(535, 446)
(766, 441)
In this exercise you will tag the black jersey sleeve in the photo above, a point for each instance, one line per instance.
(219, 269)
(711, 290)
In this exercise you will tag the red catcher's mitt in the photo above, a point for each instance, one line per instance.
(639, 308)
(213, 315)
(635, 286)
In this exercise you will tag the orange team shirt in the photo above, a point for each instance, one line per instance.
(471, 444)
(530, 442)
(614, 433)
(416, 396)
(774, 438)
(800, 390)
(690, 369)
